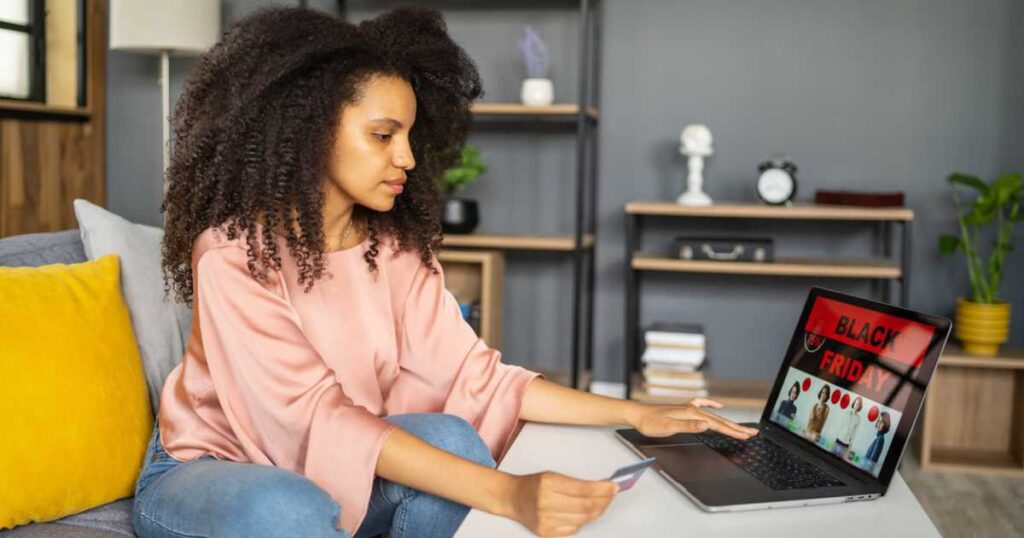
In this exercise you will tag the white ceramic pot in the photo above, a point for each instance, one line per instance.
(537, 92)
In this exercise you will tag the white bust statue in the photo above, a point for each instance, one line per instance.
(695, 143)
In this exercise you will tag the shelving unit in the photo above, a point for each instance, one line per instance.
(752, 393)
(974, 414)
(583, 116)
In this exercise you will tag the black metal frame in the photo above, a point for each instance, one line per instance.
(586, 174)
(36, 30)
(882, 237)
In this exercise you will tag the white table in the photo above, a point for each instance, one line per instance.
(654, 508)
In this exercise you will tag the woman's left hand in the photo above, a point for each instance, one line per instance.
(665, 420)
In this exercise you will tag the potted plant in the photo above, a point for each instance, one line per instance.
(460, 215)
(537, 88)
(982, 321)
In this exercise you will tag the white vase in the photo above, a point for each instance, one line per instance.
(537, 92)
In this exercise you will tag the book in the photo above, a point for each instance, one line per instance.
(675, 367)
(692, 384)
(670, 334)
(669, 373)
(673, 355)
(655, 390)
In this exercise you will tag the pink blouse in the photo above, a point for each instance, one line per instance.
(277, 376)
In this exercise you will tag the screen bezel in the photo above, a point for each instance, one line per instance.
(913, 409)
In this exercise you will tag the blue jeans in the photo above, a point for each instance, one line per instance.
(207, 497)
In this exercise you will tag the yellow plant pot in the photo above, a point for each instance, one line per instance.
(982, 327)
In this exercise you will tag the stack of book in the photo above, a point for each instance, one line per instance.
(674, 354)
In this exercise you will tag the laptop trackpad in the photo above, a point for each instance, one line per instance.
(688, 463)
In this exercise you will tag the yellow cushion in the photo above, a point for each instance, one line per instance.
(75, 418)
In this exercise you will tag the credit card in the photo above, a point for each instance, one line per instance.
(626, 476)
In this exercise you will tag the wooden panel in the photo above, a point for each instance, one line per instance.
(46, 165)
(515, 242)
(833, 267)
(62, 53)
(44, 110)
(48, 159)
(761, 211)
(975, 409)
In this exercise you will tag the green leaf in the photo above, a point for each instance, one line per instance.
(948, 244)
(1006, 188)
(968, 181)
(470, 165)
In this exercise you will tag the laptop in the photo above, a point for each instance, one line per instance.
(837, 419)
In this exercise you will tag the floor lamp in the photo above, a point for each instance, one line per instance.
(181, 27)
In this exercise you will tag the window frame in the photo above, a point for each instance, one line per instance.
(36, 31)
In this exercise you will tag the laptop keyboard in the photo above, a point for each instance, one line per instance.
(768, 462)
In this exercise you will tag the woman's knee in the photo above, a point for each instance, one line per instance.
(220, 498)
(287, 505)
(448, 432)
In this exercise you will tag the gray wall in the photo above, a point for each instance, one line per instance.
(886, 95)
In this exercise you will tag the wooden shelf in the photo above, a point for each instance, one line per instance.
(516, 109)
(1011, 359)
(761, 211)
(972, 460)
(43, 109)
(745, 393)
(516, 242)
(837, 268)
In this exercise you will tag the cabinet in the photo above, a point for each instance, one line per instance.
(477, 275)
(974, 414)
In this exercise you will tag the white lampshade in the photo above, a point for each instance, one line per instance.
(187, 27)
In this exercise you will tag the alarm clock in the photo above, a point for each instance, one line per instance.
(776, 183)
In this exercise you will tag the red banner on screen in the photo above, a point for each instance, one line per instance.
(887, 336)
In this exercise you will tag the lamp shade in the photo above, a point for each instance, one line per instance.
(188, 27)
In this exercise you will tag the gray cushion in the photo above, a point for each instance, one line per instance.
(58, 530)
(34, 250)
(161, 325)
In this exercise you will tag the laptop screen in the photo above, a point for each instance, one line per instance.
(855, 377)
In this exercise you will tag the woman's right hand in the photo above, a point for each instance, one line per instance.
(552, 504)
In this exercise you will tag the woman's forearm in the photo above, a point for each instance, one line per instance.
(410, 461)
(550, 402)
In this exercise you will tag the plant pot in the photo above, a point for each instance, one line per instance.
(460, 216)
(537, 92)
(981, 327)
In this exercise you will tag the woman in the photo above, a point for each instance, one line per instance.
(819, 413)
(874, 451)
(787, 408)
(330, 386)
(848, 429)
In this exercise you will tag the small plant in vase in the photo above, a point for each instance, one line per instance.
(983, 321)
(537, 88)
(461, 216)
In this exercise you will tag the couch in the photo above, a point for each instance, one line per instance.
(107, 521)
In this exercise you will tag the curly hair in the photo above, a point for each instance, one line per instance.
(255, 125)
